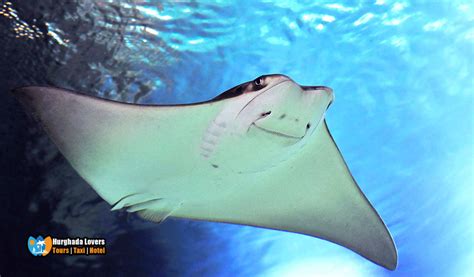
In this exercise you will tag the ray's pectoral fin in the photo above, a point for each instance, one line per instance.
(313, 194)
(147, 206)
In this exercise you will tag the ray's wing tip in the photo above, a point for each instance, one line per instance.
(18, 92)
(393, 262)
(381, 250)
(27, 92)
(29, 95)
(24, 95)
(24, 89)
(390, 264)
(38, 89)
(390, 260)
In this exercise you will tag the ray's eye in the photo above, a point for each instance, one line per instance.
(259, 83)
(265, 114)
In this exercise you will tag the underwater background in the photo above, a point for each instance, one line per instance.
(402, 73)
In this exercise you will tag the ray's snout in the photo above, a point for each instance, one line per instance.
(313, 88)
(328, 90)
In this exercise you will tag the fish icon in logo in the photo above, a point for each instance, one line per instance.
(40, 246)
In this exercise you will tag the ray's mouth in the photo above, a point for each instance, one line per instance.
(276, 133)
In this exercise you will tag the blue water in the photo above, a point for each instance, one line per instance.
(403, 117)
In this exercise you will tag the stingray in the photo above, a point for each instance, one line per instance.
(259, 154)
